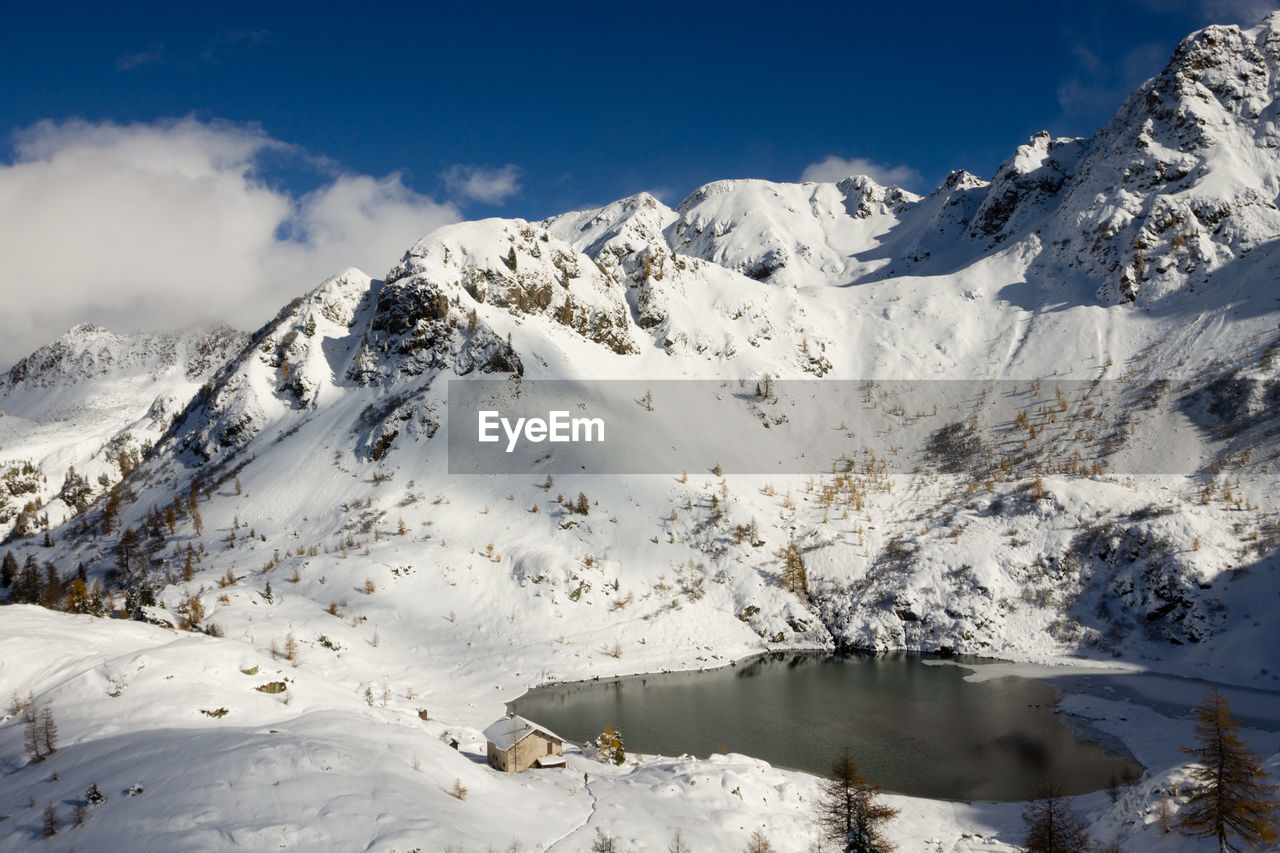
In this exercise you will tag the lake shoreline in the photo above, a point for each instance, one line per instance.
(921, 732)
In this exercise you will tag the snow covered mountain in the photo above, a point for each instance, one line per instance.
(292, 487)
(79, 413)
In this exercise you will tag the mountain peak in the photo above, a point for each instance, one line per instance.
(87, 351)
(961, 179)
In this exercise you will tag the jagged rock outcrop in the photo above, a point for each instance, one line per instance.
(515, 266)
(1183, 179)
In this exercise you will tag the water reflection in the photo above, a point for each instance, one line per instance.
(916, 729)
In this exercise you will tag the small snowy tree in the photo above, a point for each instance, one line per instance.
(31, 733)
(10, 569)
(1164, 814)
(794, 577)
(39, 732)
(77, 600)
(758, 843)
(1231, 797)
(127, 549)
(850, 813)
(29, 587)
(194, 612)
(1052, 825)
(50, 821)
(764, 388)
(605, 843)
(610, 746)
(48, 731)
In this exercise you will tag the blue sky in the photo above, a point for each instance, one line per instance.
(170, 164)
(594, 101)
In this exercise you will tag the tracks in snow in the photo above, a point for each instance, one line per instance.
(585, 821)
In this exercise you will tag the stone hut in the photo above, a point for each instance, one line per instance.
(516, 744)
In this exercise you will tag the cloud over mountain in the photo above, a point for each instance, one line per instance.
(139, 225)
(490, 185)
(835, 168)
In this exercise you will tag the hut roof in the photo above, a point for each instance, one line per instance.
(509, 731)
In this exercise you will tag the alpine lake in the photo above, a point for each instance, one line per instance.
(914, 726)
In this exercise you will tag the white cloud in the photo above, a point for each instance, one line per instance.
(664, 194)
(1244, 12)
(1098, 88)
(157, 226)
(227, 39)
(837, 169)
(491, 185)
(150, 56)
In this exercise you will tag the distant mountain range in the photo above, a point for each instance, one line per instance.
(1144, 254)
(289, 488)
